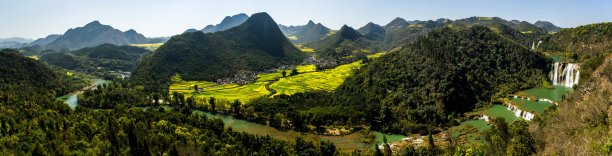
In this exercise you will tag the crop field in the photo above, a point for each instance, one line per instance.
(233, 92)
(325, 80)
(150, 47)
(308, 80)
(190, 84)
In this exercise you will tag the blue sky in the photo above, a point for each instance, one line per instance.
(153, 18)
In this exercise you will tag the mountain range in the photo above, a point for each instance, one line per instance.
(255, 45)
(94, 34)
(305, 33)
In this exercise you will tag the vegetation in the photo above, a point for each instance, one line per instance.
(35, 123)
(310, 32)
(105, 56)
(425, 82)
(207, 57)
(148, 46)
(326, 80)
(22, 73)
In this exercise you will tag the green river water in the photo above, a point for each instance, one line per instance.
(349, 142)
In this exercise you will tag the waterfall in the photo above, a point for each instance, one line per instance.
(566, 74)
(520, 113)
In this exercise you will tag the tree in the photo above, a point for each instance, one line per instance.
(236, 107)
(284, 73)
(521, 143)
(386, 147)
(195, 87)
(211, 101)
(294, 72)
(497, 137)
(327, 147)
(156, 97)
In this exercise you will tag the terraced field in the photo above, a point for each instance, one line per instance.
(308, 79)
(150, 47)
(325, 80)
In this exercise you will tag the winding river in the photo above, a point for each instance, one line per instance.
(346, 143)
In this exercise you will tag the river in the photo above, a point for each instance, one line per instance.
(346, 143)
(71, 98)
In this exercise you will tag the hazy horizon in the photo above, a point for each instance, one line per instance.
(160, 18)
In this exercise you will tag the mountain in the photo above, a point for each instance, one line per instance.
(19, 71)
(450, 70)
(305, 33)
(94, 34)
(46, 40)
(255, 45)
(396, 23)
(344, 43)
(399, 34)
(227, 23)
(373, 32)
(107, 56)
(16, 39)
(547, 26)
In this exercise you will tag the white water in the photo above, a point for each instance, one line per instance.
(566, 74)
(520, 113)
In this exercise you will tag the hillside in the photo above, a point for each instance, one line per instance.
(372, 32)
(227, 23)
(547, 26)
(305, 33)
(255, 45)
(582, 118)
(106, 56)
(22, 73)
(452, 70)
(344, 43)
(94, 34)
(398, 34)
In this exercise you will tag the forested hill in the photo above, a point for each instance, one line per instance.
(305, 33)
(106, 56)
(451, 70)
(255, 45)
(22, 73)
(587, 42)
(344, 43)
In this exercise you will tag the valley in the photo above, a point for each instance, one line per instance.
(261, 83)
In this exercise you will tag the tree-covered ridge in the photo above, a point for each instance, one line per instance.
(547, 26)
(21, 73)
(344, 43)
(305, 33)
(106, 56)
(587, 41)
(255, 45)
(449, 71)
(372, 32)
(400, 35)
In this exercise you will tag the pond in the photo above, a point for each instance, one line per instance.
(555, 94)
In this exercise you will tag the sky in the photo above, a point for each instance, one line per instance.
(157, 18)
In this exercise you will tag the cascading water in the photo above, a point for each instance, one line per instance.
(566, 74)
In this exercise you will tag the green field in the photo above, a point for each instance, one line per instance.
(324, 80)
(150, 47)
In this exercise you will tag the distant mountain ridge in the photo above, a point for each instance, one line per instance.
(305, 33)
(227, 23)
(93, 34)
(547, 26)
